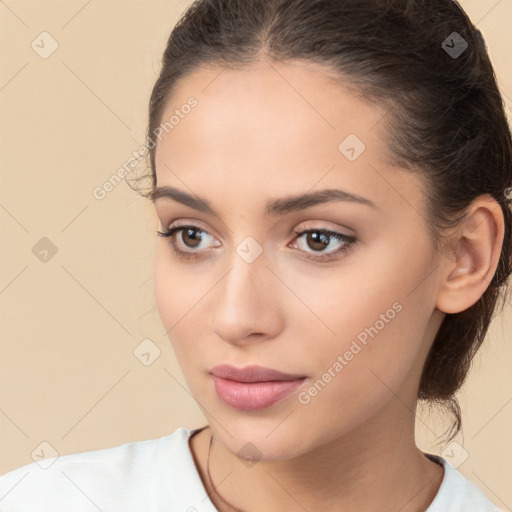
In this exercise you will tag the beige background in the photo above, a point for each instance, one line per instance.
(70, 325)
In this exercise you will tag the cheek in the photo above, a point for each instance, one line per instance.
(181, 297)
(177, 288)
(166, 288)
(371, 334)
(356, 373)
(174, 296)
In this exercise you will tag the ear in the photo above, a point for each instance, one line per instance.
(474, 255)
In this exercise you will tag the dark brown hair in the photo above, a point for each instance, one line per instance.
(446, 118)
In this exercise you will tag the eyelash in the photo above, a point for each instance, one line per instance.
(350, 241)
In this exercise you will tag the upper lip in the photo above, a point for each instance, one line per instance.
(251, 373)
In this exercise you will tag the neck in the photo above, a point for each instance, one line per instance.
(372, 468)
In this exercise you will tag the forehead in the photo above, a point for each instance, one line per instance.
(271, 109)
(269, 125)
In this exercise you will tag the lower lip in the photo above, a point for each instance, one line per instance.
(251, 396)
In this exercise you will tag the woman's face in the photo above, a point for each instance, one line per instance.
(355, 318)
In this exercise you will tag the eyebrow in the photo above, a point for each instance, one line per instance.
(281, 206)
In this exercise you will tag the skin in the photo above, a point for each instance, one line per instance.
(270, 131)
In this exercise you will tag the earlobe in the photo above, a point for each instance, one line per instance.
(470, 267)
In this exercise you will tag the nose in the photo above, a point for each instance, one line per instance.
(246, 305)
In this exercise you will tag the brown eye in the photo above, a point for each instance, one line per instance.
(319, 239)
(190, 237)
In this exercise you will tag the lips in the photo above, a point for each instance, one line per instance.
(254, 387)
(252, 373)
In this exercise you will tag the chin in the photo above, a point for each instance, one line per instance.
(264, 440)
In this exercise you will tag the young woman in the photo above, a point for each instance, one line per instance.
(332, 180)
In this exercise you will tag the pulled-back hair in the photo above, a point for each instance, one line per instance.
(446, 118)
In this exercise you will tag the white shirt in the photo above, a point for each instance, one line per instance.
(158, 475)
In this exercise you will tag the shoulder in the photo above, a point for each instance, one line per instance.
(459, 494)
(128, 477)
